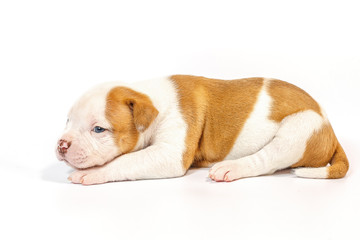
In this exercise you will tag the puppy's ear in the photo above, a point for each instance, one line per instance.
(121, 100)
(143, 112)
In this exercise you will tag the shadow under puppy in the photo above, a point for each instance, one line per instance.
(160, 128)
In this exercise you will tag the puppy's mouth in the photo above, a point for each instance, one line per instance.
(73, 163)
(61, 158)
(96, 165)
(77, 164)
(76, 167)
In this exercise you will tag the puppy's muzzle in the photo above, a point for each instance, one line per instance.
(63, 146)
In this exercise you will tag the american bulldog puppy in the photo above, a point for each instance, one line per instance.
(161, 128)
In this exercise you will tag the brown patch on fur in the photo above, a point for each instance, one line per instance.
(289, 99)
(129, 112)
(323, 148)
(215, 112)
(339, 164)
(319, 148)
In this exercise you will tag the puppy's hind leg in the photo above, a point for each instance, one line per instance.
(284, 150)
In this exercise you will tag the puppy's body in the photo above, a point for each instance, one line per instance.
(241, 128)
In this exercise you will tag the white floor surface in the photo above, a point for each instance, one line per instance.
(51, 51)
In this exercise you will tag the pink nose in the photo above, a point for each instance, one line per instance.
(63, 146)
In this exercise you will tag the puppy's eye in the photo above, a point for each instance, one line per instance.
(98, 129)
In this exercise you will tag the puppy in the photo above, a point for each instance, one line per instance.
(161, 128)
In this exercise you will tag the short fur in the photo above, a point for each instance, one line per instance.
(160, 128)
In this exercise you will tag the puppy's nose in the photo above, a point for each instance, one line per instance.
(63, 146)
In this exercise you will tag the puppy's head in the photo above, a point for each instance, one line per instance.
(103, 124)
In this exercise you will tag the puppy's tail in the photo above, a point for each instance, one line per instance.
(339, 165)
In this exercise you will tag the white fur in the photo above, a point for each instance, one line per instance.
(88, 148)
(258, 130)
(158, 152)
(321, 172)
(286, 146)
(262, 147)
(161, 146)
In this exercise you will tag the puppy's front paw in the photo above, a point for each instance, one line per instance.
(88, 177)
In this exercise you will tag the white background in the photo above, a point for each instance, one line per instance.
(51, 51)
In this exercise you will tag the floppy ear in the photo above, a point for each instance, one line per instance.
(120, 99)
(143, 112)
